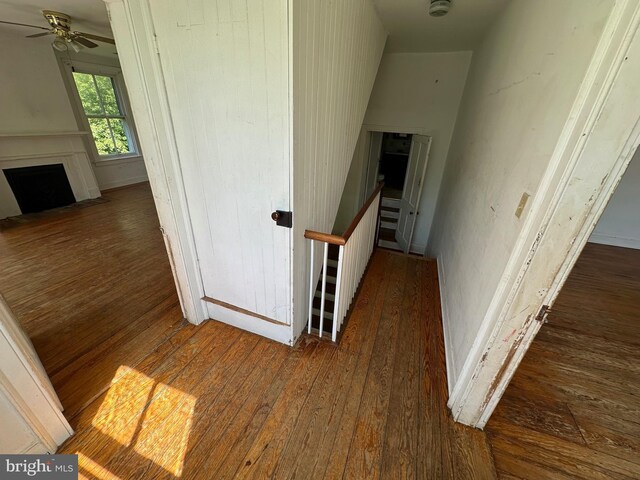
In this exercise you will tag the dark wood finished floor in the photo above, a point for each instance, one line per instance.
(572, 409)
(153, 397)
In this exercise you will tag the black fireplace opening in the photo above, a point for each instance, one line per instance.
(40, 187)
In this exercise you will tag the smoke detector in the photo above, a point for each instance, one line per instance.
(439, 8)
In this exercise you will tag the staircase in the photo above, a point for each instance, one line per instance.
(332, 271)
(389, 215)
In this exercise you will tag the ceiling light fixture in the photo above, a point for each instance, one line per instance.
(60, 45)
(439, 8)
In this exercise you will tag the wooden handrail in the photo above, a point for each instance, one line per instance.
(342, 239)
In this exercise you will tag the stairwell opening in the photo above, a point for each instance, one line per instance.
(392, 170)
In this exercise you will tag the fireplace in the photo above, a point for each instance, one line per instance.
(40, 187)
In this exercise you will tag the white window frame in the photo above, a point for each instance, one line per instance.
(70, 66)
(123, 114)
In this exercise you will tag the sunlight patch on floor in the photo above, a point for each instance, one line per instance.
(164, 435)
(90, 470)
(151, 418)
(122, 409)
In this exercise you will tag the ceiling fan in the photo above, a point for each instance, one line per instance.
(60, 26)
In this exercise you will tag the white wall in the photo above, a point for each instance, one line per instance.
(32, 96)
(619, 225)
(421, 93)
(336, 52)
(355, 185)
(35, 100)
(520, 88)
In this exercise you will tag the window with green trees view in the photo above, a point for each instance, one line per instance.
(104, 113)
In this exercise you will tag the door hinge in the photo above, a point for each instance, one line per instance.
(542, 314)
(283, 218)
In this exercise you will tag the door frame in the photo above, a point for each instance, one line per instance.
(369, 128)
(24, 382)
(596, 145)
(138, 54)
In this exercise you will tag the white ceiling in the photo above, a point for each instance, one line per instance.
(88, 16)
(412, 29)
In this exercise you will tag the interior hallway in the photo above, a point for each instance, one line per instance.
(153, 397)
(572, 409)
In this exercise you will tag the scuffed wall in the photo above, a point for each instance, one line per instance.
(522, 83)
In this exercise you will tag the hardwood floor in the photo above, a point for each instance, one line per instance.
(151, 396)
(572, 409)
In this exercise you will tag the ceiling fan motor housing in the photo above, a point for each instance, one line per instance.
(58, 20)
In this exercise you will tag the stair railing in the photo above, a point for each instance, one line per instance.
(355, 246)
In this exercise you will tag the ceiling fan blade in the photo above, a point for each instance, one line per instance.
(85, 42)
(24, 25)
(97, 37)
(36, 35)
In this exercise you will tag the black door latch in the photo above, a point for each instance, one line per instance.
(282, 218)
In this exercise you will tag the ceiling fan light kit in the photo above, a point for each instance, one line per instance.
(60, 26)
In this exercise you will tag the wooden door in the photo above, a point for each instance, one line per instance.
(414, 179)
(225, 66)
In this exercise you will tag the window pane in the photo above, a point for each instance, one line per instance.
(88, 93)
(102, 136)
(120, 135)
(108, 95)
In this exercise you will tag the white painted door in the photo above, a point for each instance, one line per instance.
(29, 406)
(414, 179)
(225, 65)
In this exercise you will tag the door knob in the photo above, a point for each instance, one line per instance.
(283, 218)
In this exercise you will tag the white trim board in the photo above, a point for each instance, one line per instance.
(279, 332)
(595, 147)
(125, 182)
(615, 241)
(448, 346)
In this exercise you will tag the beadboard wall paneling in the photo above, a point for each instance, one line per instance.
(226, 69)
(337, 47)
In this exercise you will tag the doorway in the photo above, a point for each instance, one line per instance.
(576, 390)
(400, 161)
(392, 170)
(86, 277)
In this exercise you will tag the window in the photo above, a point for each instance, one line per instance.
(105, 114)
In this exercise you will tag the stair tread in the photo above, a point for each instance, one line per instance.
(327, 325)
(389, 209)
(328, 304)
(388, 234)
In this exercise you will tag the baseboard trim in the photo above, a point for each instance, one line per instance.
(123, 183)
(615, 241)
(280, 332)
(448, 348)
(418, 248)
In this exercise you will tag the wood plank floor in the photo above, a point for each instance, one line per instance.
(153, 397)
(572, 409)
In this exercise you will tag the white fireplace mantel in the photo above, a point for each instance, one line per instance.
(45, 148)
